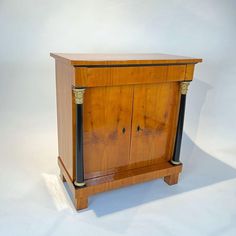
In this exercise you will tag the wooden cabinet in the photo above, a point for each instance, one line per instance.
(120, 119)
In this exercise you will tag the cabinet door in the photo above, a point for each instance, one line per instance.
(107, 127)
(155, 112)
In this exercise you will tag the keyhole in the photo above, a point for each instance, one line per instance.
(139, 128)
(123, 130)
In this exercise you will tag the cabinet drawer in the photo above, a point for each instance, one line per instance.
(109, 76)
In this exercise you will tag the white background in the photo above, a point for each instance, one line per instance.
(32, 199)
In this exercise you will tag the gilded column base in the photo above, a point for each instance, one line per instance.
(175, 162)
(77, 184)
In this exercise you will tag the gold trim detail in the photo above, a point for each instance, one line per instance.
(184, 87)
(79, 184)
(79, 95)
(175, 162)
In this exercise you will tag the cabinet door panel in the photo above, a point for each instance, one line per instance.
(107, 125)
(155, 111)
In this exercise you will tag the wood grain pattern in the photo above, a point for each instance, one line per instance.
(93, 77)
(106, 183)
(78, 59)
(172, 179)
(65, 174)
(117, 169)
(175, 73)
(64, 80)
(174, 123)
(135, 176)
(154, 108)
(81, 203)
(107, 124)
(128, 173)
(189, 72)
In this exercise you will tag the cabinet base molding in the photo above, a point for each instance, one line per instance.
(80, 196)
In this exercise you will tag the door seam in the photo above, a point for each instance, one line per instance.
(131, 125)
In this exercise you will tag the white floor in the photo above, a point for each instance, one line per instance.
(33, 201)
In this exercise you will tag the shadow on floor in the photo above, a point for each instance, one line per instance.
(200, 170)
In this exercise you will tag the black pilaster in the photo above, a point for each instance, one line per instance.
(79, 180)
(176, 155)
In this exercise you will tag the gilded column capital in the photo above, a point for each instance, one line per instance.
(184, 87)
(79, 95)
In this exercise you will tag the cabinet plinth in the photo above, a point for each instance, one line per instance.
(120, 119)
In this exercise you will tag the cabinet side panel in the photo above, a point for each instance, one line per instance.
(107, 125)
(64, 78)
(154, 118)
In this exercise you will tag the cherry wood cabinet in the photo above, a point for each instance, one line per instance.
(120, 119)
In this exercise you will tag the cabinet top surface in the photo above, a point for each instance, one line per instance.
(79, 59)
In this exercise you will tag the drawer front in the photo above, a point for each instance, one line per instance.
(111, 76)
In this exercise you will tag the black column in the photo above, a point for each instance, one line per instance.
(176, 155)
(79, 179)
